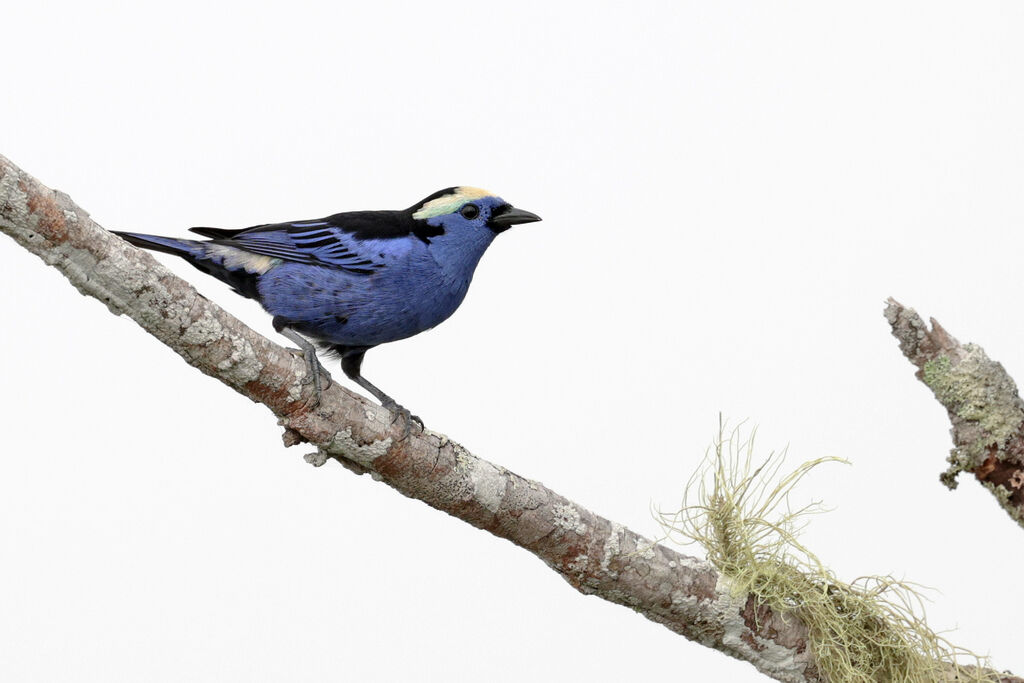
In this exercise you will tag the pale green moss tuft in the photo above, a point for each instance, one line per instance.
(867, 630)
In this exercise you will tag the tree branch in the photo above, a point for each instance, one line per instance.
(595, 555)
(981, 399)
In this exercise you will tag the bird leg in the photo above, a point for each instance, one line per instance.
(351, 361)
(313, 366)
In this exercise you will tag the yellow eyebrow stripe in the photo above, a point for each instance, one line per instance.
(450, 203)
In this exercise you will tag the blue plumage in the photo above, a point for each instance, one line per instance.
(354, 280)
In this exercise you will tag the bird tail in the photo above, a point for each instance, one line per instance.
(237, 268)
(187, 249)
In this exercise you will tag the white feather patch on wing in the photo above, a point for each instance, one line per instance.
(233, 259)
(450, 203)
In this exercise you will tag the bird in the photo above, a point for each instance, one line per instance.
(357, 279)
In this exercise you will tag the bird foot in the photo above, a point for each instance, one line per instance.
(315, 374)
(398, 411)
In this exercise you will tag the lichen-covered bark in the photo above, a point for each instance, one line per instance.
(593, 554)
(985, 410)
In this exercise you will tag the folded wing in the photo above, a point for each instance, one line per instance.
(316, 243)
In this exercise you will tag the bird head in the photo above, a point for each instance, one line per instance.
(469, 209)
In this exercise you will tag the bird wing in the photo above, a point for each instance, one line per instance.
(317, 242)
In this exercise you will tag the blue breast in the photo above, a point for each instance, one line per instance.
(406, 297)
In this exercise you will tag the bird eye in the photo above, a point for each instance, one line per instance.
(470, 211)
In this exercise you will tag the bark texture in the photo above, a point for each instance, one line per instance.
(595, 555)
(985, 410)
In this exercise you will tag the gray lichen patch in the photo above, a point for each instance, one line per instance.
(611, 546)
(205, 330)
(77, 264)
(472, 479)
(114, 269)
(488, 484)
(239, 365)
(907, 327)
(566, 516)
(129, 288)
(317, 458)
(683, 599)
(242, 365)
(295, 391)
(15, 206)
(345, 446)
(529, 499)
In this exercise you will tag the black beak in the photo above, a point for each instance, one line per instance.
(507, 216)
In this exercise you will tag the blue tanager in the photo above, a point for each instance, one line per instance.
(351, 281)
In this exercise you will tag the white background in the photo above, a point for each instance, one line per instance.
(729, 190)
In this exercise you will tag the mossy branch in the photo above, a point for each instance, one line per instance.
(594, 555)
(741, 512)
(981, 399)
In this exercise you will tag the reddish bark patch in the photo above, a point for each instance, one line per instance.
(268, 395)
(51, 223)
(703, 586)
(770, 625)
(1006, 474)
(986, 468)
